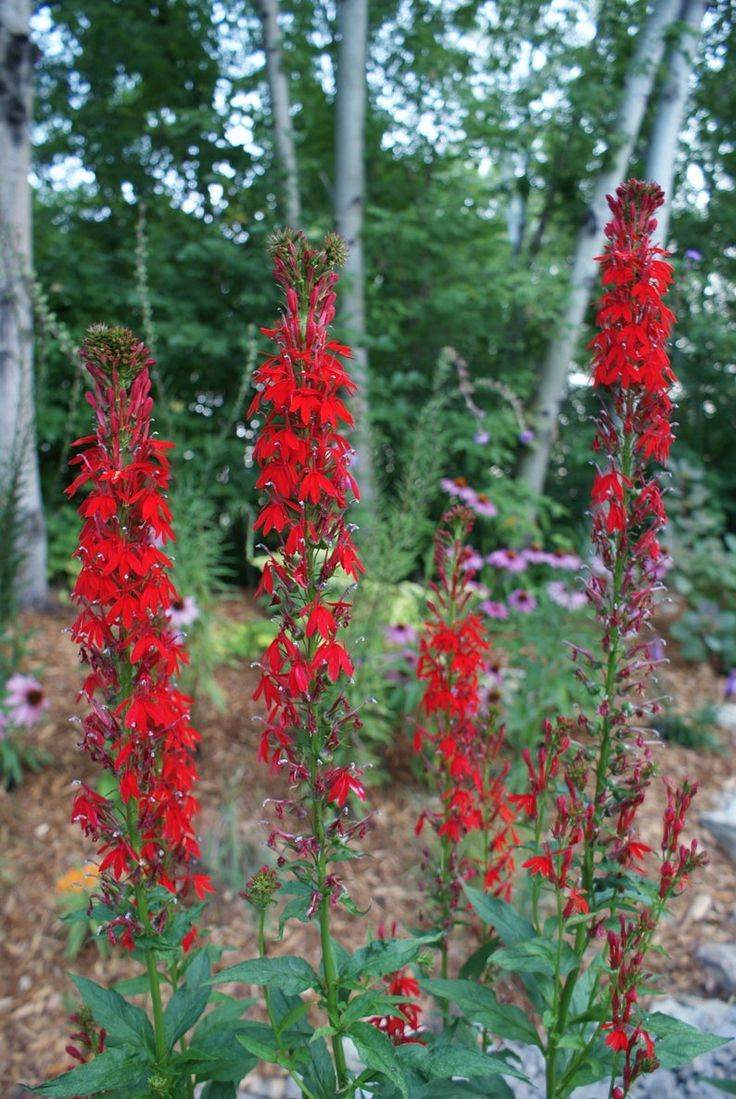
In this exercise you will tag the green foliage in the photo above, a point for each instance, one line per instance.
(697, 730)
(704, 570)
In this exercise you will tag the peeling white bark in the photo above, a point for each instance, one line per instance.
(348, 206)
(17, 418)
(268, 11)
(664, 140)
(553, 376)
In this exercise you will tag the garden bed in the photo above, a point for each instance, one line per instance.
(39, 844)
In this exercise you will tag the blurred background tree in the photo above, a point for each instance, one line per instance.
(160, 168)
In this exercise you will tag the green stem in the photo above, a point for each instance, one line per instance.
(601, 781)
(154, 981)
(328, 955)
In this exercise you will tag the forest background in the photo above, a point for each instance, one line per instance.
(464, 148)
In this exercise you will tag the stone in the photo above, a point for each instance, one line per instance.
(719, 962)
(721, 823)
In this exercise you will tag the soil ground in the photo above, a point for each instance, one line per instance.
(39, 844)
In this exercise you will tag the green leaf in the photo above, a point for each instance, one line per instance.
(289, 973)
(188, 1002)
(124, 1022)
(678, 1042)
(442, 1061)
(383, 956)
(535, 955)
(480, 1005)
(260, 1041)
(378, 1054)
(729, 1086)
(510, 925)
(229, 1060)
(115, 1068)
(320, 1074)
(220, 1089)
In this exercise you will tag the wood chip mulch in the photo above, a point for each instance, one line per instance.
(39, 844)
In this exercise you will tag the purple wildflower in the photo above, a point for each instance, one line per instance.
(508, 559)
(25, 700)
(522, 601)
(400, 634)
(526, 437)
(493, 609)
(729, 688)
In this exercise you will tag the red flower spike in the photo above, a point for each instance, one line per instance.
(454, 741)
(306, 488)
(138, 723)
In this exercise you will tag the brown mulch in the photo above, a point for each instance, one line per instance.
(38, 844)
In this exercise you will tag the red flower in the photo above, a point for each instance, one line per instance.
(138, 723)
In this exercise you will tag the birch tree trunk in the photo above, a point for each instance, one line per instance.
(17, 419)
(268, 11)
(632, 105)
(664, 140)
(348, 205)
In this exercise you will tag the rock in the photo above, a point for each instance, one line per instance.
(719, 962)
(726, 715)
(721, 823)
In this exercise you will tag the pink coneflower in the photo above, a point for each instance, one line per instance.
(25, 700)
(483, 506)
(183, 612)
(493, 609)
(535, 555)
(400, 634)
(564, 559)
(657, 568)
(566, 597)
(473, 562)
(460, 488)
(522, 601)
(508, 559)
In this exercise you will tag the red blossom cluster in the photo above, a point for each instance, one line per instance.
(138, 725)
(307, 485)
(453, 659)
(403, 1027)
(572, 819)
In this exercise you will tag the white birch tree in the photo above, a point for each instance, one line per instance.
(635, 95)
(278, 86)
(18, 454)
(348, 204)
(664, 140)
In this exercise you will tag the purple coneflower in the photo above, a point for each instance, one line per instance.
(564, 559)
(483, 506)
(493, 609)
(508, 559)
(24, 700)
(522, 601)
(459, 487)
(183, 612)
(400, 634)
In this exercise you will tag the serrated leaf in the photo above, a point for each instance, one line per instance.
(260, 1041)
(188, 1002)
(220, 1089)
(383, 956)
(677, 1042)
(378, 1054)
(455, 1060)
(124, 1022)
(288, 973)
(536, 955)
(729, 1086)
(113, 1069)
(480, 1005)
(510, 925)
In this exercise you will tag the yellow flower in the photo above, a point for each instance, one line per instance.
(78, 879)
